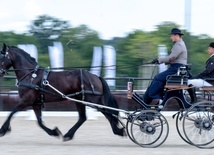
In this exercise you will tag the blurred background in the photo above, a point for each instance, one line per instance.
(111, 38)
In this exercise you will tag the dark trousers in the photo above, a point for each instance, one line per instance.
(155, 90)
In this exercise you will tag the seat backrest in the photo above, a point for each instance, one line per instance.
(176, 80)
(185, 70)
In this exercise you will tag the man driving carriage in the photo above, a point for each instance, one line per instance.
(176, 59)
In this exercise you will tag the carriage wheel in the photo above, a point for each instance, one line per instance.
(128, 124)
(149, 128)
(198, 124)
(179, 127)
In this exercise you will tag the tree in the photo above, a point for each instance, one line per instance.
(78, 44)
(136, 49)
(13, 39)
(46, 29)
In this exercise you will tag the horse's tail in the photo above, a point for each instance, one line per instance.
(108, 97)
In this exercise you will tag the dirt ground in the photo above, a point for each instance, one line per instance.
(93, 138)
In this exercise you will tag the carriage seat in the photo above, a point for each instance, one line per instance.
(178, 80)
(208, 88)
(209, 91)
(176, 87)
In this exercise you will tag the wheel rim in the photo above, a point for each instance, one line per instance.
(149, 128)
(198, 124)
(179, 127)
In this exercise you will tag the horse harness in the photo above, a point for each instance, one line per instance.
(44, 81)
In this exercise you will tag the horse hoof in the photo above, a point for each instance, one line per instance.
(122, 133)
(57, 132)
(65, 139)
(2, 132)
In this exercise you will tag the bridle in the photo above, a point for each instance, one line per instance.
(4, 56)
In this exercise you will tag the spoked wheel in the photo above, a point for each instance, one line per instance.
(129, 122)
(198, 124)
(179, 127)
(149, 128)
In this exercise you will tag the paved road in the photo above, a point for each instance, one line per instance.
(93, 138)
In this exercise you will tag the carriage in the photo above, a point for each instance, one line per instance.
(145, 126)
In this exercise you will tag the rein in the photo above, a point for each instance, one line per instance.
(60, 68)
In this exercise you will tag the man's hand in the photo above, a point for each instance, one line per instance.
(155, 61)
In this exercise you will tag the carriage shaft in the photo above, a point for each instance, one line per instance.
(84, 102)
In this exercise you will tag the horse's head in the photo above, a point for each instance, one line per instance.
(5, 60)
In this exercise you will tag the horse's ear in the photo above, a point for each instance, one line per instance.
(4, 48)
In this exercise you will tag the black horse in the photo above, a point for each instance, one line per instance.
(79, 84)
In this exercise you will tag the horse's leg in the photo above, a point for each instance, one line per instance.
(6, 126)
(111, 115)
(38, 112)
(82, 118)
(113, 120)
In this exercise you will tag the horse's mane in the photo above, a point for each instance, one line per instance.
(24, 54)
